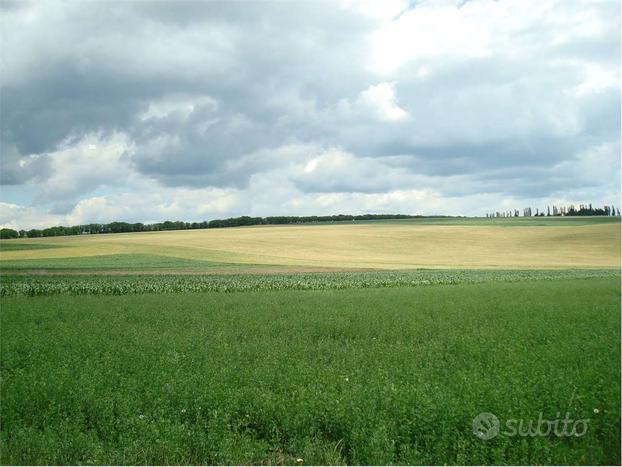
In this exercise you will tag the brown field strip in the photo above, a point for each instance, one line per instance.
(368, 246)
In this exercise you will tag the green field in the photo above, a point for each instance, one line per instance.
(357, 376)
(80, 284)
(374, 343)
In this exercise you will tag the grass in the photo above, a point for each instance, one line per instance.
(18, 245)
(357, 376)
(565, 243)
(121, 262)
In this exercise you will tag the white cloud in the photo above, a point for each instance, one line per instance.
(87, 164)
(153, 204)
(378, 101)
(177, 105)
(385, 10)
(15, 216)
(335, 170)
(439, 31)
(433, 31)
(597, 79)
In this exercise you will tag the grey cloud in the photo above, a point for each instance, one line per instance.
(63, 207)
(201, 149)
(337, 172)
(277, 73)
(16, 169)
(247, 56)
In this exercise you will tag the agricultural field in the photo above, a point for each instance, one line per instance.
(354, 376)
(367, 343)
(456, 243)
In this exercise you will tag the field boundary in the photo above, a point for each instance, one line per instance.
(149, 284)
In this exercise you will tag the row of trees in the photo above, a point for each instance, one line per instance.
(571, 210)
(8, 233)
(120, 227)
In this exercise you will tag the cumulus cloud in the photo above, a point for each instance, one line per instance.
(377, 101)
(191, 109)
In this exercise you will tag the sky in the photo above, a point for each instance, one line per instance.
(143, 111)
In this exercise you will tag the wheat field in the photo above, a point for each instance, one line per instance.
(365, 246)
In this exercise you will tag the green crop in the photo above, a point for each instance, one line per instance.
(136, 284)
(354, 376)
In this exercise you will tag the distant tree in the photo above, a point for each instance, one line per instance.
(8, 233)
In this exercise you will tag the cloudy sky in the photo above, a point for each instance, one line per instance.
(146, 111)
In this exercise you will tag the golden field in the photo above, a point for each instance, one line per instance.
(369, 246)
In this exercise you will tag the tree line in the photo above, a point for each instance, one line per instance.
(570, 210)
(120, 227)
